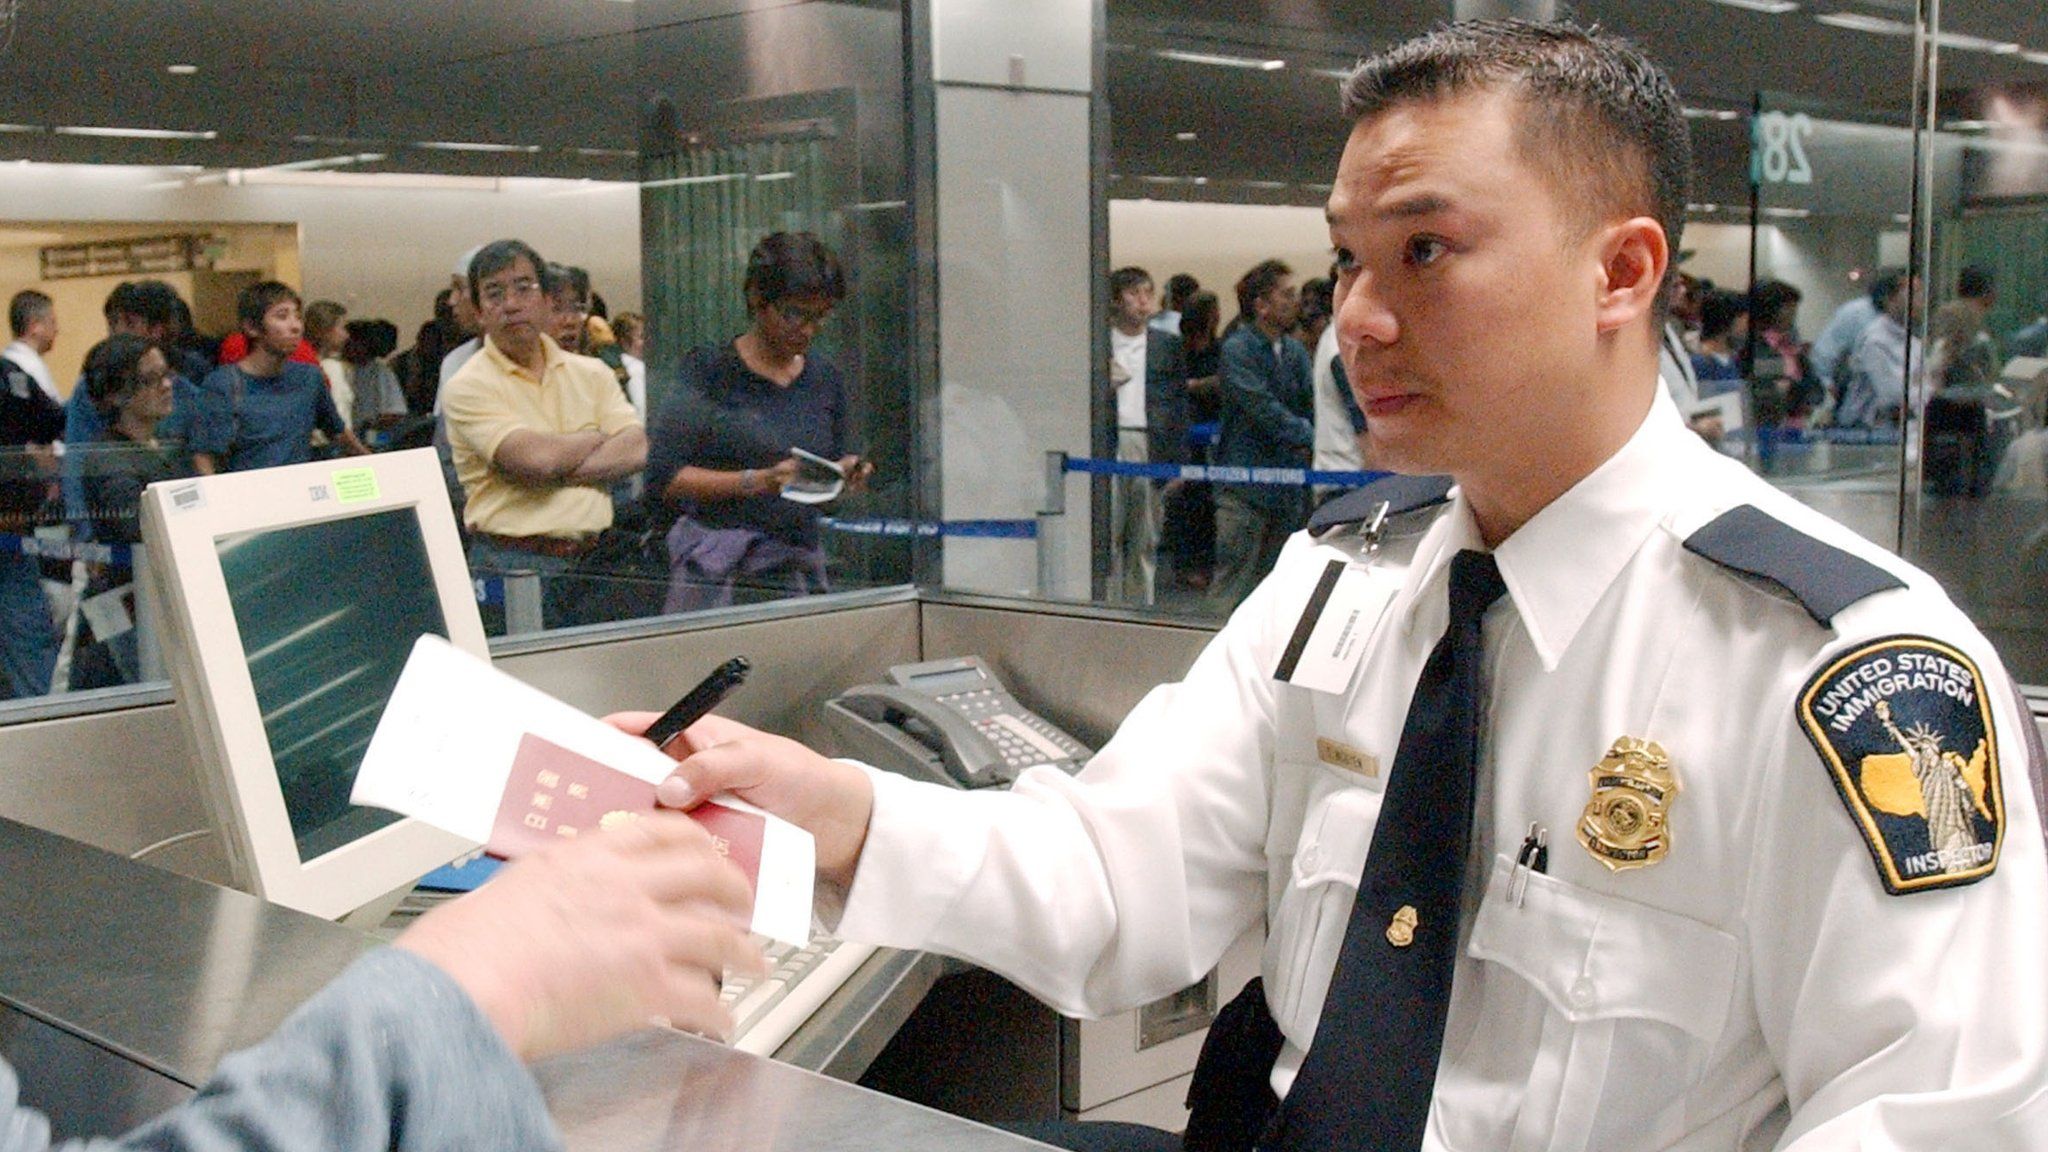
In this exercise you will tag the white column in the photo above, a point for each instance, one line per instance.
(1013, 91)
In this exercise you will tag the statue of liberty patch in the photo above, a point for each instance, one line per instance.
(1904, 728)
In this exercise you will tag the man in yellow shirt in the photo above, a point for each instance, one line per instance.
(539, 434)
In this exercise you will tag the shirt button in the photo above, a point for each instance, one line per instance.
(1582, 993)
(1311, 858)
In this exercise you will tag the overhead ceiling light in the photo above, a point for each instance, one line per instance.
(134, 133)
(473, 146)
(1969, 126)
(389, 181)
(1771, 7)
(1789, 213)
(324, 162)
(1219, 60)
(1712, 114)
(1184, 136)
(21, 128)
(181, 69)
(765, 177)
(1335, 73)
(1963, 43)
(608, 153)
(685, 181)
(1858, 22)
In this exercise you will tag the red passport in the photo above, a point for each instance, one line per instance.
(553, 793)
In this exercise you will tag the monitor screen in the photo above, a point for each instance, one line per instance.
(327, 614)
(288, 600)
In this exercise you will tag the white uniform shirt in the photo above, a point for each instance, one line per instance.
(1336, 444)
(1757, 988)
(1128, 353)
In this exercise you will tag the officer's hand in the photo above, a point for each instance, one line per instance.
(782, 475)
(828, 799)
(597, 936)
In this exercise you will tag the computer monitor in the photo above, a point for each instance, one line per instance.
(289, 599)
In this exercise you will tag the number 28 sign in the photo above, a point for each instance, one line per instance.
(1778, 149)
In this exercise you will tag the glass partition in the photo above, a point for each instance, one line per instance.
(357, 158)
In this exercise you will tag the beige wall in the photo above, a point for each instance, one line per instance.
(383, 251)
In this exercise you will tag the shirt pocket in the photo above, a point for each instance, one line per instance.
(1631, 1000)
(1314, 907)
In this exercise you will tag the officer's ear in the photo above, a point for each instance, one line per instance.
(1633, 258)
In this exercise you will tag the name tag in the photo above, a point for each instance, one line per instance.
(1330, 639)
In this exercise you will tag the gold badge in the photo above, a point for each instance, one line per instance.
(1626, 823)
(1401, 929)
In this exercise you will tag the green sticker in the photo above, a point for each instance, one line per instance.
(355, 484)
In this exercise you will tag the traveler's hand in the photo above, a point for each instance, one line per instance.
(857, 472)
(598, 936)
(826, 798)
(780, 476)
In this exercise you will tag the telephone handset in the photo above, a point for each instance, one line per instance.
(951, 721)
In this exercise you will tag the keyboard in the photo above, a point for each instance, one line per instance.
(767, 1010)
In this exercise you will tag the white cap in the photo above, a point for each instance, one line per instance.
(462, 262)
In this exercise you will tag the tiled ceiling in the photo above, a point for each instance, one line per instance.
(279, 82)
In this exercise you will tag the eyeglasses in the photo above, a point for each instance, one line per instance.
(524, 288)
(791, 314)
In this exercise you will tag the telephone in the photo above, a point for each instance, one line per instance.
(951, 721)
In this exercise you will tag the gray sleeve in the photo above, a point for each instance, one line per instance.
(391, 1055)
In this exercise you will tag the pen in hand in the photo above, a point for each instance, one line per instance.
(698, 702)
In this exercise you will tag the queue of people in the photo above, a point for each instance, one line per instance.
(542, 412)
(1866, 372)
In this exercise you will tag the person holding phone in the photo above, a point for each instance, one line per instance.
(725, 440)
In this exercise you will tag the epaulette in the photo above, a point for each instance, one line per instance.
(1823, 578)
(1362, 505)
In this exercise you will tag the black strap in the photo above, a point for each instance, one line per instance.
(1823, 578)
(1368, 1077)
(1230, 1097)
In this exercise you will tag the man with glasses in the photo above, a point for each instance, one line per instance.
(539, 434)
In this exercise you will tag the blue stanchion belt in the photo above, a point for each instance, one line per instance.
(90, 551)
(489, 589)
(925, 529)
(1224, 473)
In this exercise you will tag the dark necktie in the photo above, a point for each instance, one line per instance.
(1368, 1077)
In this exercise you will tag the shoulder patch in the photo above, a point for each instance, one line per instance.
(1823, 578)
(1905, 730)
(1399, 493)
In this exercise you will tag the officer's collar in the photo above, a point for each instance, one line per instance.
(1560, 564)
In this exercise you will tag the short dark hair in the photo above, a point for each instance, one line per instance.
(369, 340)
(1719, 310)
(1317, 296)
(111, 370)
(1257, 282)
(1601, 120)
(256, 301)
(151, 301)
(1124, 279)
(787, 264)
(1975, 282)
(1885, 282)
(1767, 298)
(25, 309)
(1179, 287)
(499, 255)
(1200, 314)
(569, 278)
